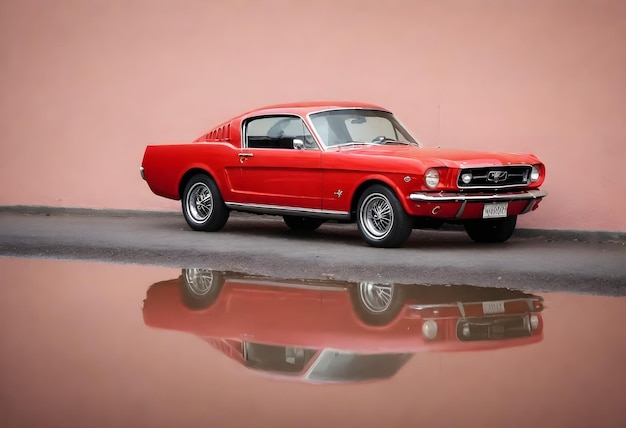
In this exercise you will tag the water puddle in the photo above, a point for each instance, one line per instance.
(90, 344)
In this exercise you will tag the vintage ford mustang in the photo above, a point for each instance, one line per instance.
(350, 162)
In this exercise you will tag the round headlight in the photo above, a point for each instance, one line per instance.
(429, 329)
(466, 178)
(534, 174)
(431, 178)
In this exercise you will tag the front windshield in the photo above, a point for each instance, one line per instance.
(359, 126)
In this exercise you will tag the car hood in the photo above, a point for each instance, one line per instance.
(445, 157)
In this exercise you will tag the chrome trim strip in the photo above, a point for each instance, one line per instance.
(419, 307)
(142, 174)
(282, 210)
(463, 197)
(292, 285)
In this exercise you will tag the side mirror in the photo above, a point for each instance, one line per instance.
(298, 144)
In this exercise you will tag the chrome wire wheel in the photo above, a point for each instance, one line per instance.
(202, 203)
(375, 298)
(381, 218)
(199, 281)
(200, 288)
(376, 216)
(199, 202)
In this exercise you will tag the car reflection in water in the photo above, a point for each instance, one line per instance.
(331, 331)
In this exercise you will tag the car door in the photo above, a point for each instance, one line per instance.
(274, 172)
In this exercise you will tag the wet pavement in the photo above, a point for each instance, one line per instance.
(264, 245)
(109, 345)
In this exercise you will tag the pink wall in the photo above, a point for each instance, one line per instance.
(85, 85)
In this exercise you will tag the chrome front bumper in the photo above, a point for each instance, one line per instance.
(468, 197)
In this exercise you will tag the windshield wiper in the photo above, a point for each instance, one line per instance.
(408, 143)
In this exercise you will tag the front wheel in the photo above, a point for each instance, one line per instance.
(381, 219)
(491, 231)
(199, 288)
(377, 304)
(203, 206)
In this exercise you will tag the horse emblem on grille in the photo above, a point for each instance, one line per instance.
(497, 176)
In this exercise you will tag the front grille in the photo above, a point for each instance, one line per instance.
(495, 176)
(493, 328)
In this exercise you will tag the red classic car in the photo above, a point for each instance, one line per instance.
(351, 162)
(331, 331)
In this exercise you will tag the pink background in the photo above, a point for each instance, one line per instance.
(86, 84)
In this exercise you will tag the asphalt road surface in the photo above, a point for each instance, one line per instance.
(264, 245)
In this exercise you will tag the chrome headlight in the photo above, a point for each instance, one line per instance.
(431, 178)
(534, 174)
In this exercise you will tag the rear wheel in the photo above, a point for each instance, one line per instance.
(381, 219)
(491, 231)
(302, 224)
(203, 206)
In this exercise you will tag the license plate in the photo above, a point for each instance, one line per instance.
(495, 210)
(493, 307)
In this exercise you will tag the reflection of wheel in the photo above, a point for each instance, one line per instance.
(377, 304)
(203, 206)
(302, 224)
(199, 288)
(490, 231)
(381, 219)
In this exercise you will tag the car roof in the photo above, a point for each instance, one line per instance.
(298, 108)
(304, 108)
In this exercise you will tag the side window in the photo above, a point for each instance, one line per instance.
(278, 132)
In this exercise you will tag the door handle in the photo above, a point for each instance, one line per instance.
(243, 156)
